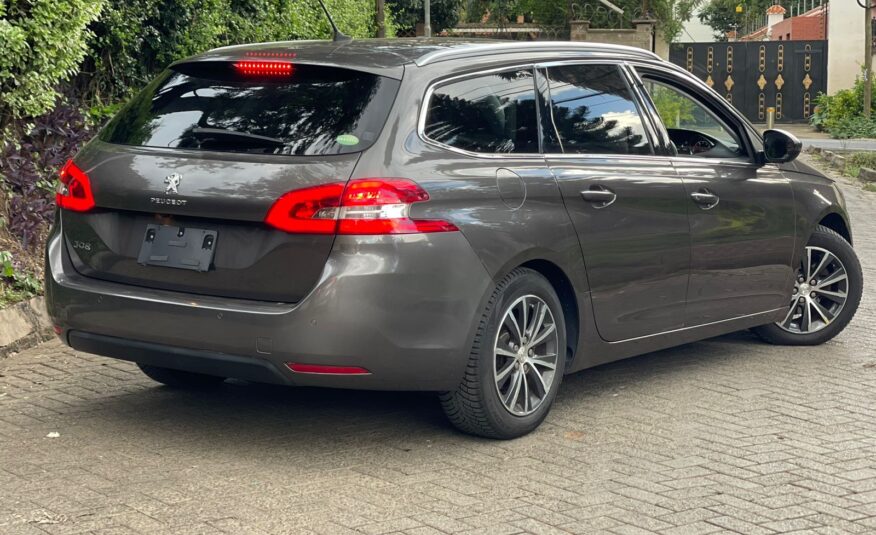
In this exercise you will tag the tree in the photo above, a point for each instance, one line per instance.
(722, 17)
(672, 14)
(135, 39)
(444, 14)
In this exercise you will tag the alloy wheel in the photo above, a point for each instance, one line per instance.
(526, 352)
(820, 292)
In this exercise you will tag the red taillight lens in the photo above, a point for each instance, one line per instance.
(264, 68)
(307, 211)
(364, 206)
(372, 192)
(74, 190)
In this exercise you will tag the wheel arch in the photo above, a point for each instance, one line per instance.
(837, 223)
(568, 300)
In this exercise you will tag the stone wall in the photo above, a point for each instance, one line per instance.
(642, 36)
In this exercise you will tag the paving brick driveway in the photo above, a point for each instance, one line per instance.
(726, 435)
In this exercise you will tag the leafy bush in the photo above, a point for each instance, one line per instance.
(856, 160)
(862, 159)
(854, 127)
(841, 114)
(43, 42)
(15, 284)
(29, 169)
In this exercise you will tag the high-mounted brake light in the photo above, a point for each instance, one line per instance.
(364, 206)
(270, 54)
(264, 68)
(74, 189)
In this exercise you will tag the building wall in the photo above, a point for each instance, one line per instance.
(695, 31)
(799, 29)
(845, 44)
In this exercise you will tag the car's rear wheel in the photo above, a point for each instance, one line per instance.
(516, 362)
(180, 378)
(826, 294)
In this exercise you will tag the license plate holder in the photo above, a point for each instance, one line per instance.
(177, 247)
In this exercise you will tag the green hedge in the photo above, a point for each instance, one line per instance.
(42, 43)
(841, 114)
(135, 39)
(99, 51)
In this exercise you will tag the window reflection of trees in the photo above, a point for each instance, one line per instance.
(308, 114)
(593, 111)
(489, 114)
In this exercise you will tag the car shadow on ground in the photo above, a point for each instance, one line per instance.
(317, 420)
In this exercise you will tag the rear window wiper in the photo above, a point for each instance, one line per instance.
(221, 132)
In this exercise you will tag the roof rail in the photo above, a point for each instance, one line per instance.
(470, 50)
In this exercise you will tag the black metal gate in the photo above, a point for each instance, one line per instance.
(756, 75)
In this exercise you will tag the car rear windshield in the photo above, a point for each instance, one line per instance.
(293, 110)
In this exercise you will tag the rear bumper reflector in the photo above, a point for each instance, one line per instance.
(326, 370)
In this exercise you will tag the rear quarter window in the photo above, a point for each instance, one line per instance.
(493, 113)
(313, 110)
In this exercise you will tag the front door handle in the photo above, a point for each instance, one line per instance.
(705, 198)
(600, 196)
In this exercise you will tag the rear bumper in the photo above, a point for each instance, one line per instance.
(403, 307)
(190, 360)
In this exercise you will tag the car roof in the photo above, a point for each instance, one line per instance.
(384, 56)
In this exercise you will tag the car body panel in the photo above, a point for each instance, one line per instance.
(741, 249)
(229, 193)
(408, 321)
(637, 249)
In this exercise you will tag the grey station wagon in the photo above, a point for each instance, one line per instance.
(473, 218)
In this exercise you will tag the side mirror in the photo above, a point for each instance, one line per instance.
(780, 146)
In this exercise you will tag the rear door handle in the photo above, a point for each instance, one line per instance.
(600, 196)
(705, 198)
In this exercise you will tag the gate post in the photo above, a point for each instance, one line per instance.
(645, 31)
(579, 29)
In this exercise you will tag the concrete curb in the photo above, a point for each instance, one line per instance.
(835, 159)
(867, 175)
(24, 325)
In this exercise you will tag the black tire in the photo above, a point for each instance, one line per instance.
(475, 406)
(825, 238)
(180, 378)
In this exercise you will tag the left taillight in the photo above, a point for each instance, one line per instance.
(74, 189)
(364, 206)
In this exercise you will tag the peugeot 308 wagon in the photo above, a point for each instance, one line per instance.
(472, 218)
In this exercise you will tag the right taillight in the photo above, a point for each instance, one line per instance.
(74, 190)
(363, 206)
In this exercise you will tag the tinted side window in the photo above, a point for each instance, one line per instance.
(493, 113)
(593, 111)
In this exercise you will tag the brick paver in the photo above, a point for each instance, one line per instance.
(726, 435)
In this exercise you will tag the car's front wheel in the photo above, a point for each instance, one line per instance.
(516, 362)
(179, 378)
(826, 293)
